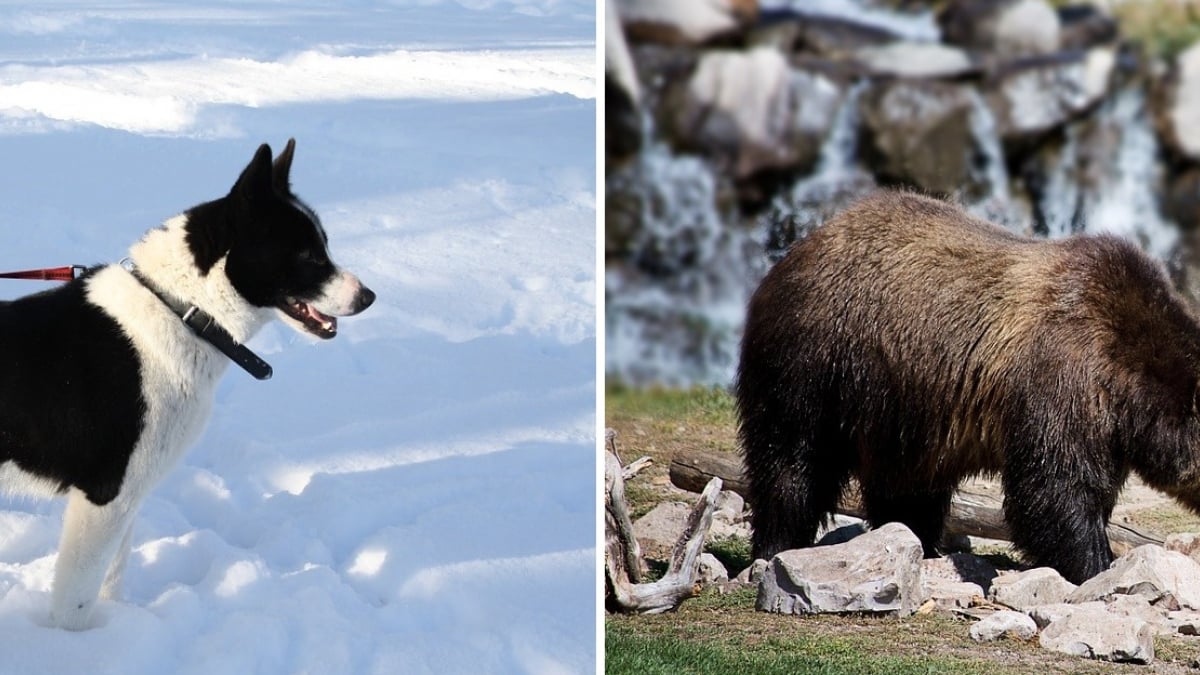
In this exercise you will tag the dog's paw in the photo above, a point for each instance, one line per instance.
(74, 617)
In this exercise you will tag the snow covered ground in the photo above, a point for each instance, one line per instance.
(417, 495)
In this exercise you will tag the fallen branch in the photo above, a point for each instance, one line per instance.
(633, 468)
(972, 513)
(622, 557)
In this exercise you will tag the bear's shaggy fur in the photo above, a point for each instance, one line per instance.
(911, 345)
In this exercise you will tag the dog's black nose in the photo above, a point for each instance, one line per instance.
(365, 297)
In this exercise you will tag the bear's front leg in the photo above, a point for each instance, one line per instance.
(90, 538)
(1059, 519)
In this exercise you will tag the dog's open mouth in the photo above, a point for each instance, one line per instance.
(321, 325)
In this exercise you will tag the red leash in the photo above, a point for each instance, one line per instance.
(67, 273)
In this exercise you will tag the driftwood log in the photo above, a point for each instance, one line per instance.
(622, 555)
(972, 513)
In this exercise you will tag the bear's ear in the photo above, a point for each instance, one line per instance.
(254, 185)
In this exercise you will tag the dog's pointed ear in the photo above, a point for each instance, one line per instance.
(283, 168)
(254, 184)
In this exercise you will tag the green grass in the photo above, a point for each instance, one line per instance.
(705, 405)
(732, 551)
(628, 650)
(660, 423)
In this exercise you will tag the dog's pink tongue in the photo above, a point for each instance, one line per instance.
(328, 323)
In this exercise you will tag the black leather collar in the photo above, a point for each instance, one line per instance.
(205, 326)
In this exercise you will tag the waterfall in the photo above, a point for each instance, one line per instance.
(995, 202)
(836, 181)
(1125, 204)
(673, 313)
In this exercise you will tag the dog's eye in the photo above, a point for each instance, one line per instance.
(314, 257)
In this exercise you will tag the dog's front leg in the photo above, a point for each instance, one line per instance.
(111, 588)
(90, 538)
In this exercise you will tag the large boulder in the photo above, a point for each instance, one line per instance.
(1165, 578)
(879, 571)
(918, 134)
(1096, 633)
(684, 21)
(659, 530)
(1023, 590)
(1032, 97)
(752, 111)
(1007, 27)
(1177, 109)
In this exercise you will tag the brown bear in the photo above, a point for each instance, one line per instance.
(911, 345)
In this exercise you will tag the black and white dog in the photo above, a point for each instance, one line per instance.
(106, 381)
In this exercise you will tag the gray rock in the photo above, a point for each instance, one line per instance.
(754, 573)
(1187, 543)
(918, 133)
(951, 595)
(1008, 27)
(842, 534)
(960, 567)
(684, 21)
(731, 507)
(711, 570)
(723, 530)
(837, 522)
(751, 110)
(1137, 607)
(1163, 577)
(658, 530)
(1004, 623)
(879, 571)
(1022, 590)
(729, 518)
(954, 581)
(1177, 112)
(1097, 634)
(1044, 615)
(1035, 96)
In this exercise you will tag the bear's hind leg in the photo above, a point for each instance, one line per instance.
(789, 500)
(923, 513)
